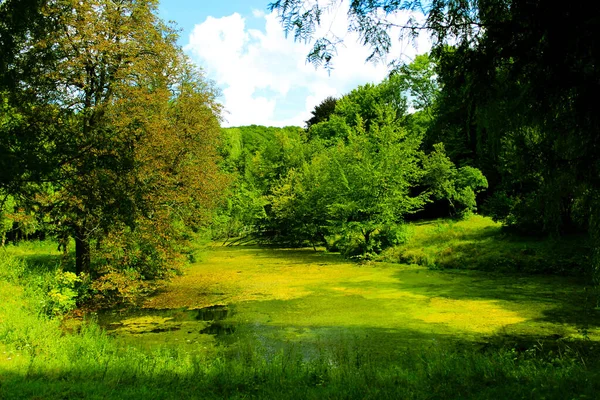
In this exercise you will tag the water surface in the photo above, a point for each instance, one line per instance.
(271, 298)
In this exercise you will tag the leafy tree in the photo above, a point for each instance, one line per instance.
(446, 20)
(356, 187)
(366, 172)
(367, 102)
(459, 186)
(322, 111)
(242, 207)
(125, 129)
(421, 87)
(280, 153)
(7, 207)
(294, 179)
(330, 131)
(18, 20)
(420, 80)
(256, 158)
(375, 175)
(299, 204)
(363, 182)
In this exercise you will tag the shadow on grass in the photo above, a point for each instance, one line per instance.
(479, 244)
(40, 256)
(562, 300)
(296, 255)
(509, 254)
(42, 262)
(497, 368)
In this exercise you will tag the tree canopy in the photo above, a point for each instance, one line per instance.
(352, 178)
(108, 132)
(517, 79)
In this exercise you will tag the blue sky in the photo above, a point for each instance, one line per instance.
(263, 76)
(188, 13)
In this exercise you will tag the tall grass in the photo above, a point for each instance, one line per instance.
(479, 243)
(38, 359)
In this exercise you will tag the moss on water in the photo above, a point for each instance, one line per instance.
(239, 274)
(302, 295)
(484, 317)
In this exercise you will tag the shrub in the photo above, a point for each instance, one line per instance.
(115, 287)
(391, 235)
(350, 241)
(62, 297)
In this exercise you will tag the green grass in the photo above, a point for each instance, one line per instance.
(38, 361)
(100, 373)
(344, 331)
(479, 243)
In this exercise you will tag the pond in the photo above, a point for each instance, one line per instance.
(270, 298)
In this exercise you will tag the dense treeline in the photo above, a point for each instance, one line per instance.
(517, 94)
(352, 177)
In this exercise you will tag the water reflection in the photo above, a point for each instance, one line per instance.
(211, 320)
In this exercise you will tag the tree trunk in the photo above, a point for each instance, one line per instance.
(82, 252)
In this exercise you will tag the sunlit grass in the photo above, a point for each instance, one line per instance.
(480, 243)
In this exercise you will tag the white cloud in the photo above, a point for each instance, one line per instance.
(258, 13)
(247, 62)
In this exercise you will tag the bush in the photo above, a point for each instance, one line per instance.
(62, 297)
(479, 243)
(152, 254)
(351, 242)
(116, 287)
(391, 235)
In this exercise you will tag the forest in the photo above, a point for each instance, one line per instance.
(432, 235)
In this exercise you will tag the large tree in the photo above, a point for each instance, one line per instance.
(114, 129)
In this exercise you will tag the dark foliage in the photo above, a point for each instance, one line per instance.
(322, 112)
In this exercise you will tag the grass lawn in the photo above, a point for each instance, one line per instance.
(479, 243)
